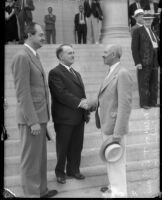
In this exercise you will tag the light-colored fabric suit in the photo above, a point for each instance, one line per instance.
(114, 101)
(32, 107)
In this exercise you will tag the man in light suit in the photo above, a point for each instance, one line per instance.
(112, 115)
(32, 114)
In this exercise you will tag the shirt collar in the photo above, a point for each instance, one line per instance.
(31, 49)
(114, 66)
(67, 67)
(139, 24)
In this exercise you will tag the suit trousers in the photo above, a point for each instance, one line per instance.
(49, 34)
(116, 172)
(93, 29)
(148, 85)
(69, 144)
(82, 33)
(33, 163)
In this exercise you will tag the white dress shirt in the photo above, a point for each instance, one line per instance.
(31, 49)
(154, 44)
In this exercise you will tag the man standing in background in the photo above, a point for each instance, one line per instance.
(132, 8)
(138, 15)
(50, 21)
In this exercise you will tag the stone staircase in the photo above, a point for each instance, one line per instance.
(142, 140)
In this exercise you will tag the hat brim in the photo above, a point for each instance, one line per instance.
(141, 13)
(104, 146)
(113, 152)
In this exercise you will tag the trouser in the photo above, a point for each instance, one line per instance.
(82, 33)
(148, 85)
(50, 33)
(116, 172)
(93, 29)
(69, 144)
(33, 163)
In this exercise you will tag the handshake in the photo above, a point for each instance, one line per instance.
(88, 105)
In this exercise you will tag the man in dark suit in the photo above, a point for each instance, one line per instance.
(49, 21)
(132, 8)
(32, 114)
(80, 25)
(69, 114)
(138, 16)
(93, 13)
(144, 50)
(24, 10)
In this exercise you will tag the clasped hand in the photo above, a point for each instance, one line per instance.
(35, 129)
(87, 105)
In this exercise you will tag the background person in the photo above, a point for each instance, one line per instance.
(144, 47)
(81, 26)
(50, 21)
(138, 16)
(132, 8)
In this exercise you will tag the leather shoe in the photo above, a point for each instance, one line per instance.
(105, 189)
(146, 107)
(61, 180)
(50, 193)
(77, 176)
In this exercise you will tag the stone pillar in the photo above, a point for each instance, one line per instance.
(115, 23)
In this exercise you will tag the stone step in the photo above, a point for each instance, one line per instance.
(12, 147)
(99, 177)
(90, 157)
(140, 121)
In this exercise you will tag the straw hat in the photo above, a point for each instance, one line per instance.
(137, 12)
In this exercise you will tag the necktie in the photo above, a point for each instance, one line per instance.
(152, 36)
(81, 17)
(72, 72)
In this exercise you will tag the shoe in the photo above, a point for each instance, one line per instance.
(50, 193)
(77, 176)
(146, 107)
(61, 180)
(104, 189)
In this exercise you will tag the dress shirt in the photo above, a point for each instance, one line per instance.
(67, 67)
(139, 24)
(138, 5)
(152, 8)
(81, 20)
(31, 49)
(154, 44)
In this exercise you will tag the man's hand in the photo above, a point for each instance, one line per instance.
(92, 105)
(35, 129)
(84, 104)
(139, 66)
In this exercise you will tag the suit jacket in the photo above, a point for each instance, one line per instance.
(49, 22)
(131, 10)
(31, 88)
(66, 94)
(27, 8)
(133, 28)
(142, 49)
(94, 9)
(114, 100)
(76, 21)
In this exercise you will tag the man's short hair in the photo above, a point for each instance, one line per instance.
(60, 49)
(30, 28)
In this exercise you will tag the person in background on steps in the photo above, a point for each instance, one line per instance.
(138, 15)
(69, 114)
(50, 21)
(132, 8)
(144, 47)
(32, 114)
(81, 26)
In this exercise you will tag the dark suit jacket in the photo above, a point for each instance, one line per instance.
(142, 49)
(76, 21)
(28, 8)
(94, 9)
(49, 22)
(131, 10)
(133, 28)
(66, 94)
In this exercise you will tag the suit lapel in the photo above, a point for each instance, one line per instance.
(109, 79)
(70, 76)
(145, 32)
(35, 60)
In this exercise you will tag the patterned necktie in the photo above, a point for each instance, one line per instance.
(152, 36)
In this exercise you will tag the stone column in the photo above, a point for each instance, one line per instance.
(115, 23)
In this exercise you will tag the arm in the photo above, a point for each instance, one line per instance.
(124, 89)
(135, 46)
(60, 92)
(21, 73)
